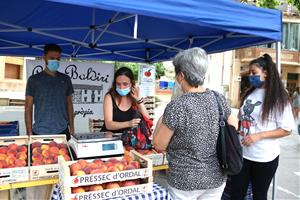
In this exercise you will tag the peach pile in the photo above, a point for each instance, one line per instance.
(111, 185)
(13, 155)
(82, 167)
(145, 152)
(45, 154)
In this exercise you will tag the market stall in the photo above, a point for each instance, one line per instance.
(133, 30)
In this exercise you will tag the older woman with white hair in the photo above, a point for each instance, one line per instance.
(188, 131)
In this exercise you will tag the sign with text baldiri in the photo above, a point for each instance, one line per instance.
(91, 81)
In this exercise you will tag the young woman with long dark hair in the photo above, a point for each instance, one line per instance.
(119, 113)
(265, 116)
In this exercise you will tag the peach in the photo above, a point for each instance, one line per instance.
(96, 187)
(119, 166)
(112, 185)
(36, 144)
(48, 160)
(37, 157)
(53, 144)
(92, 165)
(62, 151)
(66, 157)
(2, 164)
(61, 146)
(20, 163)
(54, 160)
(102, 169)
(22, 149)
(21, 156)
(109, 164)
(54, 149)
(98, 162)
(3, 156)
(129, 167)
(129, 183)
(78, 190)
(83, 163)
(3, 149)
(45, 147)
(37, 163)
(10, 160)
(113, 169)
(79, 173)
(136, 164)
(75, 167)
(46, 153)
(13, 146)
(113, 160)
(11, 152)
(87, 170)
(37, 150)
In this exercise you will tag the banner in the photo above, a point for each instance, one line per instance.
(91, 81)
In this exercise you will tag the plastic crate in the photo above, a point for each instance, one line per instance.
(9, 128)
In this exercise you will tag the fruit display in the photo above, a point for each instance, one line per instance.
(106, 178)
(14, 159)
(105, 186)
(13, 155)
(45, 154)
(83, 167)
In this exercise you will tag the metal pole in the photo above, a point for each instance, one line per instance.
(278, 65)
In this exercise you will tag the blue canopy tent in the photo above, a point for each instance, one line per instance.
(133, 30)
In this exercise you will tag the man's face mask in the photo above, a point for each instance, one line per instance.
(255, 81)
(123, 92)
(53, 65)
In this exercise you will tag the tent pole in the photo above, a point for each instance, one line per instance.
(278, 65)
(135, 29)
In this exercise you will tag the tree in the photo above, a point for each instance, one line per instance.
(295, 3)
(160, 70)
(265, 3)
(133, 66)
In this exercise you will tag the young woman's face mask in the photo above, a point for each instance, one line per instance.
(257, 76)
(123, 85)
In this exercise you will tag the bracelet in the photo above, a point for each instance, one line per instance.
(141, 100)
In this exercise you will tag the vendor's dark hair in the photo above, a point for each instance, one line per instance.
(276, 97)
(51, 47)
(121, 71)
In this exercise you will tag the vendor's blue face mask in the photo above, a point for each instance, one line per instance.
(123, 92)
(255, 81)
(53, 65)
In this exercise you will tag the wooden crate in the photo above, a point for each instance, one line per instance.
(46, 171)
(18, 174)
(157, 158)
(67, 181)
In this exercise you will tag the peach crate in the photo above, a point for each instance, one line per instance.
(10, 152)
(105, 185)
(50, 170)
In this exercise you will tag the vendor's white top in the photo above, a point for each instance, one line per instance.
(250, 115)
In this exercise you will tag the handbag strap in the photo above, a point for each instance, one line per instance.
(222, 123)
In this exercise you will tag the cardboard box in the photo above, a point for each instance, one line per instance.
(51, 170)
(17, 174)
(67, 181)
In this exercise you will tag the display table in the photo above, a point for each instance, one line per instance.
(159, 193)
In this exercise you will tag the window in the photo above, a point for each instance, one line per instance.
(12, 71)
(291, 36)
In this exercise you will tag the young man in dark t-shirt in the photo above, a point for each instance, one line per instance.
(51, 94)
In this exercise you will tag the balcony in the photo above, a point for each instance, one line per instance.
(287, 57)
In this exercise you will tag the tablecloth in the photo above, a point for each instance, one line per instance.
(158, 193)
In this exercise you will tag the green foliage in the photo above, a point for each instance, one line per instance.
(295, 3)
(268, 3)
(160, 69)
(133, 66)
